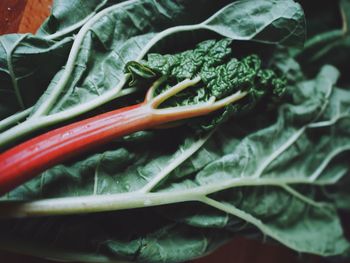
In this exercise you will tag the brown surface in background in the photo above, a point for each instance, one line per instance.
(26, 16)
(23, 16)
(34, 14)
(10, 15)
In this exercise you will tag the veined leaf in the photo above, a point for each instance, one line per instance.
(67, 17)
(172, 195)
(275, 187)
(83, 86)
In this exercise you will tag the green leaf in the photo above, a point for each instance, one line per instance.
(68, 16)
(23, 78)
(171, 195)
(245, 182)
(82, 85)
(330, 45)
(93, 74)
(272, 21)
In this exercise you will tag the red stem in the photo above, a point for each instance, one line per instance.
(32, 157)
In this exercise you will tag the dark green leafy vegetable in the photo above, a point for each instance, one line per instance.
(279, 172)
(221, 76)
(330, 44)
(67, 18)
(82, 85)
(223, 83)
(270, 185)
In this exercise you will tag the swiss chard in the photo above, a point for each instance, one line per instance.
(170, 195)
(186, 85)
(276, 187)
(82, 86)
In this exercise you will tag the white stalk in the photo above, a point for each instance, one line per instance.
(316, 174)
(229, 100)
(14, 119)
(12, 72)
(29, 125)
(174, 163)
(173, 91)
(155, 85)
(190, 110)
(121, 201)
(48, 103)
(69, 29)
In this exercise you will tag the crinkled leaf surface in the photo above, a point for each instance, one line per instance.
(68, 16)
(110, 50)
(94, 72)
(261, 175)
(245, 182)
(116, 38)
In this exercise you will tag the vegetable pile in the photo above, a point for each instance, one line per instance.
(157, 131)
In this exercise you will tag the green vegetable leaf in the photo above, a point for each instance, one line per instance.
(285, 20)
(68, 16)
(331, 45)
(245, 182)
(82, 85)
(221, 75)
(172, 195)
(23, 79)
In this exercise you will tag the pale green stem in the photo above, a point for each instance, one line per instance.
(28, 126)
(173, 163)
(46, 105)
(229, 100)
(327, 123)
(195, 110)
(14, 119)
(303, 198)
(276, 153)
(69, 29)
(316, 174)
(12, 72)
(155, 85)
(120, 201)
(232, 210)
(155, 102)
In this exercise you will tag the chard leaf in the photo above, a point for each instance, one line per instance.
(82, 85)
(133, 45)
(237, 181)
(330, 45)
(221, 75)
(68, 16)
(268, 21)
(281, 176)
(23, 78)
